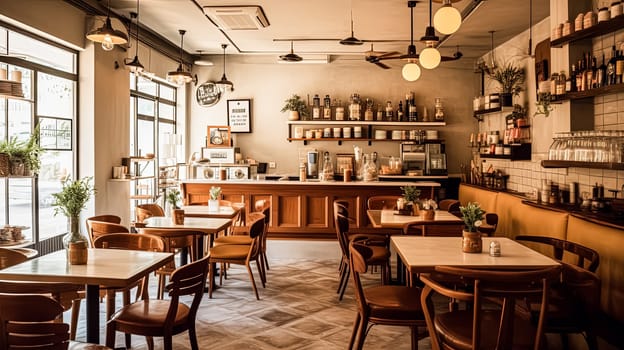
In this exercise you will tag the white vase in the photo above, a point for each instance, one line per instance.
(213, 205)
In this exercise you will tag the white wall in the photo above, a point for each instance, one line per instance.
(268, 84)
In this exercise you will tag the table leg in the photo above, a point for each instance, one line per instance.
(93, 314)
(184, 256)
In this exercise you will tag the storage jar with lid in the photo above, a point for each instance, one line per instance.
(578, 22)
(603, 14)
(568, 28)
(589, 19)
(616, 9)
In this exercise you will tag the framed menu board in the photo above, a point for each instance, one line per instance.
(239, 115)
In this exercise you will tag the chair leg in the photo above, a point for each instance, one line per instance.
(356, 326)
(414, 334)
(342, 274)
(266, 260)
(222, 273)
(253, 281)
(168, 342)
(262, 278)
(193, 337)
(161, 287)
(344, 285)
(150, 343)
(592, 342)
(111, 328)
(362, 332)
(211, 279)
(74, 318)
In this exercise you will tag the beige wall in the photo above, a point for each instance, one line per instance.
(268, 84)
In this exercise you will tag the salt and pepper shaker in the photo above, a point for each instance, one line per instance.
(495, 248)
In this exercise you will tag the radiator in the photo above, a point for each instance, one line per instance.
(49, 245)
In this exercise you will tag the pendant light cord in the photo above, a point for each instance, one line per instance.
(412, 26)
(430, 12)
(224, 47)
(136, 53)
(182, 32)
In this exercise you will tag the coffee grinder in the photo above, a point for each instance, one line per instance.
(312, 164)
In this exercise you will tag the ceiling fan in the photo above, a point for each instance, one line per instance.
(373, 56)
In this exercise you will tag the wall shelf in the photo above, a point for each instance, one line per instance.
(601, 28)
(362, 122)
(574, 164)
(521, 151)
(478, 115)
(590, 93)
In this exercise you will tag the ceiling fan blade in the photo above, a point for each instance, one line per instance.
(382, 65)
(385, 54)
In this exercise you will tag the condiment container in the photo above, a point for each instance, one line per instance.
(589, 19)
(616, 9)
(495, 249)
(337, 132)
(603, 14)
(346, 132)
(396, 134)
(557, 31)
(357, 131)
(380, 134)
(498, 150)
(578, 22)
(568, 28)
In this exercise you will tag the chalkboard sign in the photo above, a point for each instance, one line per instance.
(239, 115)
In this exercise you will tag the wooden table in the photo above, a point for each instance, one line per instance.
(387, 219)
(201, 211)
(422, 254)
(105, 267)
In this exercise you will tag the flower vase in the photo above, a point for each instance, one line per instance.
(415, 209)
(75, 243)
(428, 214)
(213, 205)
(177, 215)
(472, 242)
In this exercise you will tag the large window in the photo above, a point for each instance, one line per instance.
(49, 77)
(152, 120)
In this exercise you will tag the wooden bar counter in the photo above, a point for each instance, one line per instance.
(303, 209)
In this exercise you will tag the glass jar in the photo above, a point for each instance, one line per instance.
(355, 108)
(615, 9)
(75, 243)
(327, 174)
(370, 169)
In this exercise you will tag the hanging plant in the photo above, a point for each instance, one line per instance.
(543, 105)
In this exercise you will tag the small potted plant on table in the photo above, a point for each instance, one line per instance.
(215, 195)
(71, 201)
(173, 198)
(472, 214)
(409, 205)
(428, 209)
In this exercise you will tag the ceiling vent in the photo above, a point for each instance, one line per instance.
(237, 17)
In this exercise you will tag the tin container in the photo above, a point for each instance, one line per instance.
(495, 249)
(615, 9)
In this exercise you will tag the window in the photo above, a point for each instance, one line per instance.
(49, 82)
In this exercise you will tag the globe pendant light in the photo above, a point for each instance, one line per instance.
(447, 19)
(430, 57)
(180, 76)
(134, 65)
(411, 71)
(224, 84)
(106, 35)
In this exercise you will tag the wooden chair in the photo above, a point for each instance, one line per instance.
(26, 323)
(68, 295)
(484, 325)
(240, 254)
(144, 211)
(382, 202)
(377, 243)
(174, 241)
(440, 229)
(491, 222)
(164, 318)
(575, 299)
(450, 205)
(386, 305)
(114, 219)
(97, 228)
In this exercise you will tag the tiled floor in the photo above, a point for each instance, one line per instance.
(299, 308)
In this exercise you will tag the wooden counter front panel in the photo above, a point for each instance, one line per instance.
(297, 210)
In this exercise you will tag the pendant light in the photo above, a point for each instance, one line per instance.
(430, 57)
(447, 19)
(106, 35)
(292, 56)
(352, 40)
(134, 65)
(224, 84)
(180, 76)
(411, 71)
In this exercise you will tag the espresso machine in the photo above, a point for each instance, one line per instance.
(413, 156)
(435, 159)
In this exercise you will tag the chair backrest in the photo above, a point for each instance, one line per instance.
(130, 241)
(25, 323)
(450, 205)
(144, 211)
(101, 228)
(9, 257)
(189, 279)
(174, 239)
(341, 224)
(382, 202)
(440, 229)
(359, 253)
(585, 257)
(491, 223)
(105, 218)
(508, 285)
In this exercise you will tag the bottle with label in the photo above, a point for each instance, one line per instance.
(561, 84)
(408, 98)
(327, 115)
(316, 107)
(368, 113)
(572, 79)
(579, 76)
(413, 112)
(584, 73)
(399, 112)
(611, 67)
(328, 168)
(355, 108)
(553, 83)
(389, 111)
(619, 67)
(601, 80)
(339, 110)
(594, 73)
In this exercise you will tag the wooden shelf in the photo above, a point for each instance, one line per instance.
(362, 122)
(363, 139)
(520, 151)
(590, 93)
(480, 113)
(574, 164)
(601, 28)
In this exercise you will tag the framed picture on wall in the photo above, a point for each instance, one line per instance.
(344, 161)
(218, 136)
(239, 115)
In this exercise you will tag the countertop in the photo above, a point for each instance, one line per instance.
(315, 182)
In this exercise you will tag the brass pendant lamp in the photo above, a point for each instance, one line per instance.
(106, 35)
(224, 84)
(180, 76)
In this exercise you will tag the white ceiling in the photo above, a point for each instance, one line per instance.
(298, 19)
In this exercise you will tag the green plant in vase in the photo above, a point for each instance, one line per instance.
(70, 201)
(411, 195)
(173, 198)
(511, 79)
(215, 195)
(472, 214)
(296, 107)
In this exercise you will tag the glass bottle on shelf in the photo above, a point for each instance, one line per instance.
(339, 115)
(619, 67)
(413, 112)
(327, 112)
(328, 168)
(611, 67)
(316, 107)
(355, 107)
(368, 113)
(601, 80)
(369, 169)
(439, 110)
(389, 116)
(399, 112)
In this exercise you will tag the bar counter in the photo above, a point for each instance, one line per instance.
(303, 209)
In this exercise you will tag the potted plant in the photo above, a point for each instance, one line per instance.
(70, 201)
(215, 195)
(24, 156)
(411, 196)
(472, 214)
(511, 79)
(428, 209)
(33, 151)
(296, 107)
(173, 198)
(543, 105)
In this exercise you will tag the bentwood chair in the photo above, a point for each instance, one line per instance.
(97, 229)
(377, 243)
(491, 222)
(144, 211)
(382, 305)
(450, 205)
(67, 294)
(26, 322)
(240, 254)
(114, 219)
(382, 202)
(164, 318)
(490, 321)
(575, 299)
